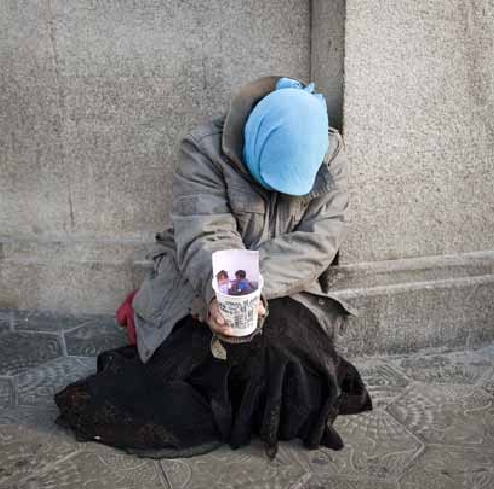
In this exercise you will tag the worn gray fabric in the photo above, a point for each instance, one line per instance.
(217, 205)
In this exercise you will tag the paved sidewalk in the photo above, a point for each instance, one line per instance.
(433, 426)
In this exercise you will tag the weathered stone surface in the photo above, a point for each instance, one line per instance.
(407, 318)
(38, 418)
(72, 276)
(93, 338)
(411, 271)
(6, 393)
(47, 321)
(331, 482)
(25, 451)
(376, 446)
(487, 381)
(247, 467)
(66, 286)
(95, 98)
(458, 367)
(6, 317)
(35, 195)
(38, 385)
(384, 382)
(421, 175)
(20, 351)
(105, 469)
(452, 414)
(78, 249)
(379, 452)
(147, 73)
(327, 55)
(32, 458)
(445, 467)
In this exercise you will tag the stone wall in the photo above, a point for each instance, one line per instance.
(94, 97)
(328, 54)
(419, 127)
(417, 104)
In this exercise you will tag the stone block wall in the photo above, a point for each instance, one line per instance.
(417, 101)
(94, 97)
(419, 127)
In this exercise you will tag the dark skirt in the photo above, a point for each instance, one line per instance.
(287, 383)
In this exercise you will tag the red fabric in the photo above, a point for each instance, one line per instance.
(125, 317)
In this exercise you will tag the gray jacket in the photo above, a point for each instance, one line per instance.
(217, 205)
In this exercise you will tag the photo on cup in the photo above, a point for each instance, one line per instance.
(236, 271)
(238, 285)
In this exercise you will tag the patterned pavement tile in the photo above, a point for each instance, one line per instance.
(6, 393)
(384, 382)
(246, 467)
(5, 319)
(443, 467)
(451, 414)
(25, 451)
(93, 338)
(487, 381)
(458, 367)
(38, 385)
(48, 321)
(381, 448)
(330, 482)
(21, 351)
(97, 470)
(39, 418)
(376, 447)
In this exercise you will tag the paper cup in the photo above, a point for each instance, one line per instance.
(240, 311)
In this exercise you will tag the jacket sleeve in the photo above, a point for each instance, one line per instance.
(292, 262)
(202, 219)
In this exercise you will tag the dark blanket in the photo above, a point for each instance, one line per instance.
(286, 383)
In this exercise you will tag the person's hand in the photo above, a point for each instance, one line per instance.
(217, 322)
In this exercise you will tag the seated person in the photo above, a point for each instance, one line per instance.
(270, 176)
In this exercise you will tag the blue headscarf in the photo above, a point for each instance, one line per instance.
(286, 138)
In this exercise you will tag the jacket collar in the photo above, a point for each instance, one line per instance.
(241, 106)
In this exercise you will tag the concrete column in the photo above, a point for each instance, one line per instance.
(419, 133)
(419, 99)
